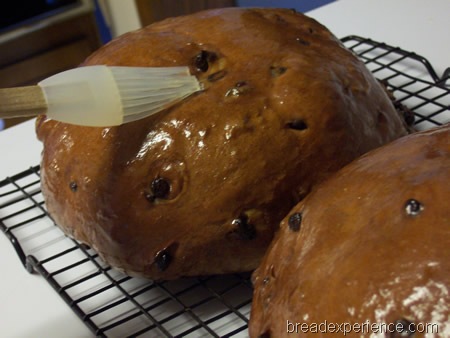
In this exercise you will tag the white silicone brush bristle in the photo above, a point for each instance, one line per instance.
(104, 96)
(145, 91)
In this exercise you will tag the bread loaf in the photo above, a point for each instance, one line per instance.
(200, 188)
(370, 246)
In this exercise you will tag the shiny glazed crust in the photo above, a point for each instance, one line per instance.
(201, 188)
(370, 244)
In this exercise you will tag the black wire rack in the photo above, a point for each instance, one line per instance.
(112, 304)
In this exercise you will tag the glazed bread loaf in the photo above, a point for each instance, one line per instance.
(369, 245)
(200, 188)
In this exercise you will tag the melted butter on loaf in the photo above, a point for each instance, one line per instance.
(282, 109)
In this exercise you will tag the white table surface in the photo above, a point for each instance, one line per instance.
(28, 305)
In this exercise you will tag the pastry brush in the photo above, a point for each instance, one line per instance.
(101, 96)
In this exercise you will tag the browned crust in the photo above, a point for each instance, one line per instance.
(300, 107)
(364, 251)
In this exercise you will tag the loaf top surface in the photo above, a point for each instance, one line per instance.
(284, 105)
(371, 244)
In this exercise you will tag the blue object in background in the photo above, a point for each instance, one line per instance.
(2, 125)
(103, 29)
(298, 5)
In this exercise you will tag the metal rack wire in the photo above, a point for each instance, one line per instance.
(410, 77)
(112, 304)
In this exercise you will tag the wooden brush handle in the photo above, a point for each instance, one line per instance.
(22, 101)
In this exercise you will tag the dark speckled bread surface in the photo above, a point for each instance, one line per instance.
(369, 245)
(201, 188)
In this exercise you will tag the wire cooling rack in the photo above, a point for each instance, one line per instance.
(112, 304)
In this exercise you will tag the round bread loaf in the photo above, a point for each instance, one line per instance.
(370, 245)
(200, 188)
